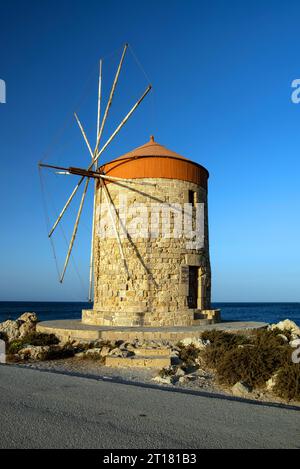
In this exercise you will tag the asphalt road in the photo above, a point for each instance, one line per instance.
(48, 410)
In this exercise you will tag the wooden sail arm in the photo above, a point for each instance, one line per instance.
(121, 124)
(91, 270)
(109, 205)
(112, 91)
(72, 170)
(99, 101)
(97, 157)
(95, 175)
(74, 230)
(83, 133)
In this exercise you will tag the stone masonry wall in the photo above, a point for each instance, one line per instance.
(156, 291)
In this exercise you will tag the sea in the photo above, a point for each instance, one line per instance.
(46, 311)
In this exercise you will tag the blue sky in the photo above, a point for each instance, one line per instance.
(221, 73)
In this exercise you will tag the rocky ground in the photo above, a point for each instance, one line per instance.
(187, 368)
(198, 381)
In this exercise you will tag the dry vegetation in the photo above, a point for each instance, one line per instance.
(34, 338)
(253, 359)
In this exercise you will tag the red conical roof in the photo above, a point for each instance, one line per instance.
(151, 148)
(153, 160)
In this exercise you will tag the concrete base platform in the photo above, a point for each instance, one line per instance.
(76, 330)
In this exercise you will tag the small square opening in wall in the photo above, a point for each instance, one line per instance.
(192, 198)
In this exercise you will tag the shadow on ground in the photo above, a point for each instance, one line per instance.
(166, 388)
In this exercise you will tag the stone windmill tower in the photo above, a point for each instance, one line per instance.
(154, 269)
(168, 281)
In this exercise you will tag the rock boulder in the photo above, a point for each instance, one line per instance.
(28, 317)
(34, 352)
(241, 389)
(10, 329)
(24, 325)
(287, 325)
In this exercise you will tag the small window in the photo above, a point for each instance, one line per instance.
(193, 198)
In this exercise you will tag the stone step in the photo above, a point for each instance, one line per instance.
(152, 352)
(199, 315)
(202, 322)
(69, 334)
(138, 362)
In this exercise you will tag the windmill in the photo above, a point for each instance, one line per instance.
(93, 171)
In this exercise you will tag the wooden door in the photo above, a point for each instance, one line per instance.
(193, 287)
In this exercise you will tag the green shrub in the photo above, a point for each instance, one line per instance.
(34, 338)
(188, 354)
(252, 359)
(288, 381)
(212, 354)
(254, 365)
(169, 371)
(220, 344)
(65, 352)
(39, 338)
(14, 346)
(224, 338)
(263, 337)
